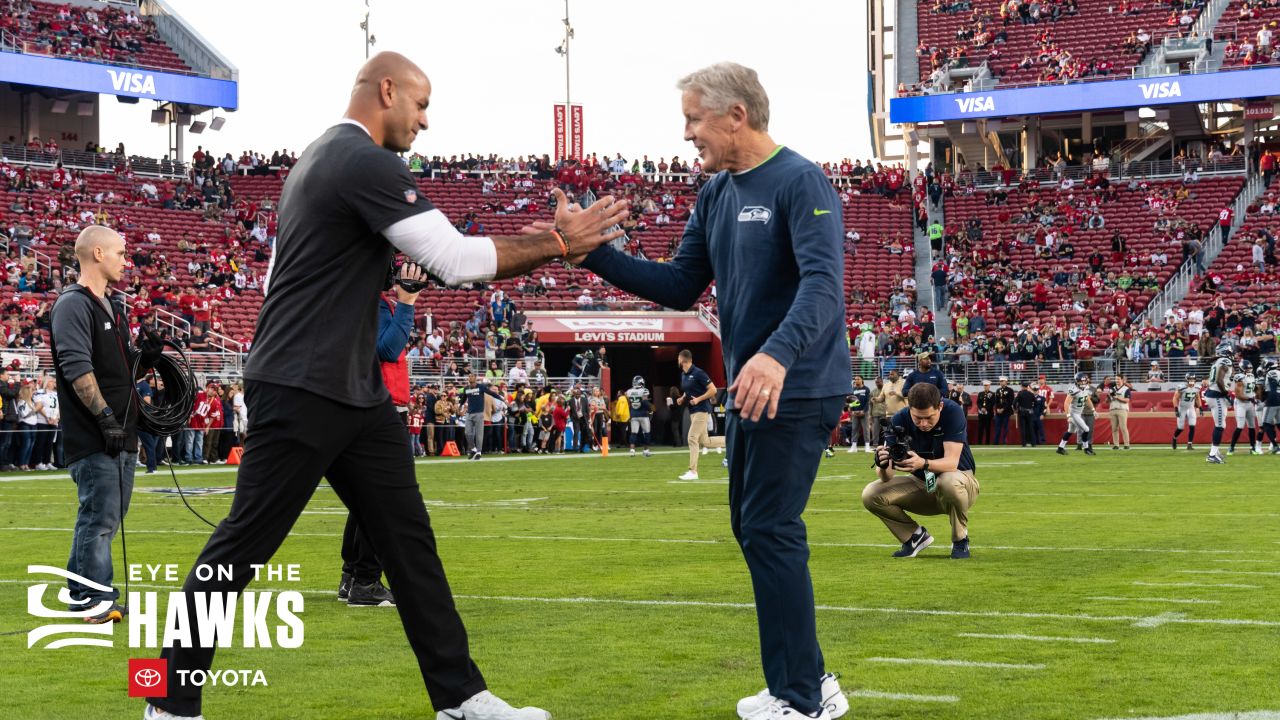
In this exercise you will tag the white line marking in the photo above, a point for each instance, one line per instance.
(876, 695)
(1253, 562)
(956, 663)
(690, 541)
(1036, 638)
(1230, 572)
(1196, 585)
(1228, 715)
(1161, 619)
(1136, 620)
(1176, 601)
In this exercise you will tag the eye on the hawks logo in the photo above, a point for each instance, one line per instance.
(411, 196)
(80, 611)
(148, 677)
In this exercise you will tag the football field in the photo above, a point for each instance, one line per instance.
(1128, 585)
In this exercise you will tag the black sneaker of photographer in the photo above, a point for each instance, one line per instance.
(918, 541)
(371, 595)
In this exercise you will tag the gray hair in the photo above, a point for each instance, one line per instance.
(726, 84)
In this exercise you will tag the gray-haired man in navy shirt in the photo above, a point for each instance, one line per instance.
(767, 228)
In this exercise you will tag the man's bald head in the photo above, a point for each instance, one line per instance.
(390, 98)
(92, 238)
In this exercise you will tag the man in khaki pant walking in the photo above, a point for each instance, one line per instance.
(697, 390)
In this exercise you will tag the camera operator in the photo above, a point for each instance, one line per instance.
(924, 467)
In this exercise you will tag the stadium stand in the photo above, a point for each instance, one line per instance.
(108, 34)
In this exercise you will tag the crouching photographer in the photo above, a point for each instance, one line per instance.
(924, 467)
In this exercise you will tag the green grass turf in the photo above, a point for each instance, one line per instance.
(1049, 533)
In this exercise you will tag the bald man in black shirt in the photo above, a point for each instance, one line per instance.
(317, 403)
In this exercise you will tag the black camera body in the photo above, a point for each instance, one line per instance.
(409, 286)
(895, 440)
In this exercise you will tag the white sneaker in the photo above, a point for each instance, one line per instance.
(706, 450)
(777, 709)
(154, 713)
(852, 449)
(869, 449)
(834, 703)
(633, 452)
(484, 705)
(689, 475)
(647, 453)
(720, 451)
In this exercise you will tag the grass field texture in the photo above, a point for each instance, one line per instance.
(1131, 584)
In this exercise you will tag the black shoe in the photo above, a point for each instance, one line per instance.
(1089, 451)
(344, 587)
(371, 595)
(114, 614)
(1061, 450)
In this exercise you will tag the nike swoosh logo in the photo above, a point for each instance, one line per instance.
(817, 212)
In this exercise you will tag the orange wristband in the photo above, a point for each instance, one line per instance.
(564, 247)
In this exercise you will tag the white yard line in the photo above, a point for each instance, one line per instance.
(690, 541)
(1230, 572)
(1228, 715)
(957, 663)
(1195, 585)
(1175, 601)
(903, 697)
(1037, 638)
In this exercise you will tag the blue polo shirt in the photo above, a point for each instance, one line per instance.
(771, 239)
(693, 384)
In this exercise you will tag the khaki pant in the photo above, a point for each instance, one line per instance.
(891, 501)
(699, 438)
(1119, 426)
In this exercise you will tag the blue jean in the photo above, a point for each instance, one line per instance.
(28, 443)
(772, 465)
(192, 450)
(100, 480)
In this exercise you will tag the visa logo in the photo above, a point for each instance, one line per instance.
(124, 81)
(982, 103)
(1151, 91)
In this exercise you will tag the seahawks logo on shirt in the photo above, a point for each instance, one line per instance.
(755, 213)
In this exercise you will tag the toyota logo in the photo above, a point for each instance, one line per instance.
(147, 678)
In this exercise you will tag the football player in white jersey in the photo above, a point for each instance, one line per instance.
(1187, 403)
(1079, 396)
(641, 413)
(1216, 397)
(1246, 408)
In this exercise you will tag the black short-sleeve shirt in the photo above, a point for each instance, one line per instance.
(318, 326)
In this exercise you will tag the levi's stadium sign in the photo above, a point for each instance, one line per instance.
(1075, 97)
(605, 328)
(64, 74)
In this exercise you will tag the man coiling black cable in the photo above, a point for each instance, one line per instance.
(95, 365)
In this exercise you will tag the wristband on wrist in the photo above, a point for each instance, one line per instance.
(561, 238)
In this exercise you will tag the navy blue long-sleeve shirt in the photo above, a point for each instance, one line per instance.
(771, 238)
(393, 330)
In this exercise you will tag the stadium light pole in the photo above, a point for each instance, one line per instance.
(369, 40)
(563, 50)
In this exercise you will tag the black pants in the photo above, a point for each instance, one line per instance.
(44, 444)
(296, 438)
(1026, 426)
(772, 465)
(984, 430)
(358, 558)
(10, 442)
